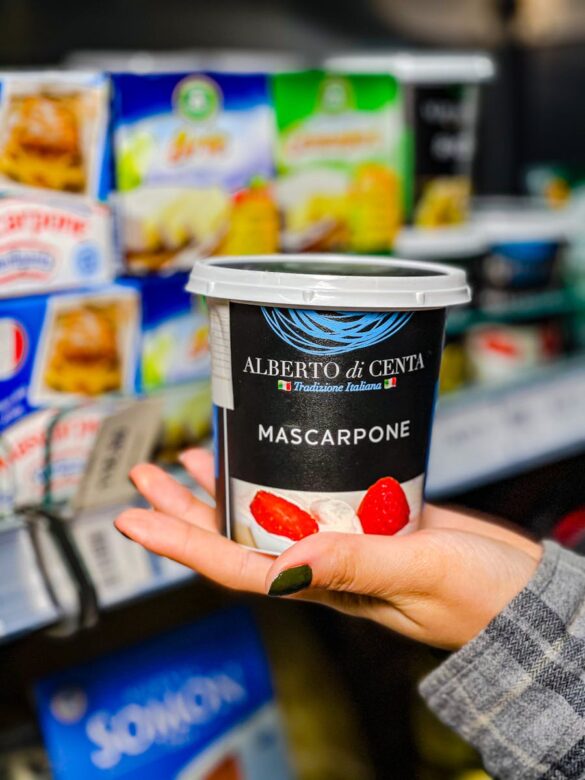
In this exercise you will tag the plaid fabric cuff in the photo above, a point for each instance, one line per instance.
(517, 691)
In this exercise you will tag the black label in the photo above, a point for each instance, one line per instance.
(326, 403)
(444, 138)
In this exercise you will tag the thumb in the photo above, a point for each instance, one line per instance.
(355, 563)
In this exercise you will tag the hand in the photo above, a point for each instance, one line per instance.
(440, 585)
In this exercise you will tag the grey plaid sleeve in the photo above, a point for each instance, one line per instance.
(517, 691)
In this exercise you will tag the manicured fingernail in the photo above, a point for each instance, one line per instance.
(291, 581)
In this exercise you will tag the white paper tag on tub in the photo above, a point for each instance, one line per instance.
(222, 388)
(125, 438)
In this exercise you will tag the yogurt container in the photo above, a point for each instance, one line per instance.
(526, 244)
(464, 246)
(324, 376)
(442, 97)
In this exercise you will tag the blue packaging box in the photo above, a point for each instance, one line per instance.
(174, 341)
(193, 704)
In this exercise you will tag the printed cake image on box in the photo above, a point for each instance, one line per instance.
(340, 160)
(322, 420)
(193, 165)
(53, 130)
(56, 352)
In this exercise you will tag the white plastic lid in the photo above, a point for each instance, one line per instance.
(419, 67)
(522, 224)
(318, 281)
(449, 243)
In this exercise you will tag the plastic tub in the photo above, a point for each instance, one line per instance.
(525, 251)
(324, 374)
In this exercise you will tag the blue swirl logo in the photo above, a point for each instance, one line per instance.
(333, 333)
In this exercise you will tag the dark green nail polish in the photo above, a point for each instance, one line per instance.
(291, 581)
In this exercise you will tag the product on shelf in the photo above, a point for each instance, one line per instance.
(196, 702)
(186, 417)
(174, 332)
(53, 131)
(52, 245)
(442, 97)
(54, 171)
(322, 416)
(340, 160)
(526, 244)
(500, 352)
(464, 246)
(193, 167)
(55, 352)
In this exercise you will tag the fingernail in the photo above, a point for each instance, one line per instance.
(291, 581)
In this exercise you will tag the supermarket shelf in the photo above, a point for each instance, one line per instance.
(25, 605)
(480, 436)
(525, 307)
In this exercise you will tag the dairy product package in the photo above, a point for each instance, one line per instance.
(324, 380)
(55, 231)
(53, 243)
(340, 159)
(193, 160)
(56, 352)
(174, 332)
(193, 704)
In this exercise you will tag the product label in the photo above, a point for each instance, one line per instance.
(444, 121)
(340, 160)
(325, 421)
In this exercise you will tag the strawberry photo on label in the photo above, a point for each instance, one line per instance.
(281, 517)
(384, 509)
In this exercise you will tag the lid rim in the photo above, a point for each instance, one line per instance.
(215, 279)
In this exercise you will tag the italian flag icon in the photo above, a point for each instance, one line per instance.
(286, 386)
(389, 383)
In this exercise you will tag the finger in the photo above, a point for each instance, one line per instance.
(362, 564)
(168, 496)
(472, 522)
(210, 554)
(200, 464)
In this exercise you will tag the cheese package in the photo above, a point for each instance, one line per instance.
(174, 332)
(193, 161)
(55, 231)
(340, 160)
(55, 352)
(194, 704)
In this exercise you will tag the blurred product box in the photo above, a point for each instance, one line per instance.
(441, 111)
(55, 231)
(186, 418)
(340, 157)
(193, 160)
(56, 351)
(53, 133)
(499, 353)
(194, 704)
(53, 244)
(174, 332)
